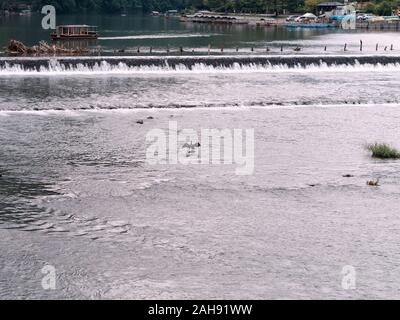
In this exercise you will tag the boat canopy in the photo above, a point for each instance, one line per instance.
(76, 29)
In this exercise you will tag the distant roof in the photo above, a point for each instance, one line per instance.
(330, 4)
(76, 26)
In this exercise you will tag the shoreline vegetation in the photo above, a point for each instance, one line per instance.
(383, 151)
(274, 7)
(147, 6)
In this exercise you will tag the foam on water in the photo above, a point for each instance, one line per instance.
(56, 68)
(80, 112)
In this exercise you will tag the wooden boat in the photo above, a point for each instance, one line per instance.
(69, 32)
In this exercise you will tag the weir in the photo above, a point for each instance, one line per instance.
(38, 63)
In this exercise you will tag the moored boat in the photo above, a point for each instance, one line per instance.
(67, 32)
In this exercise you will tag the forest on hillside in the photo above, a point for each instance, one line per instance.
(239, 6)
(115, 6)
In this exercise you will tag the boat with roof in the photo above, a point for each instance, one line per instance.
(67, 32)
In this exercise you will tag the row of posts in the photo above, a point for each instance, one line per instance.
(181, 50)
(376, 47)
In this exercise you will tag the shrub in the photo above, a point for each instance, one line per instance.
(383, 151)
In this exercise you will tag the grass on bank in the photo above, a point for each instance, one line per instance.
(383, 151)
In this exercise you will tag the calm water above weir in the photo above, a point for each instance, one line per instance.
(133, 31)
(136, 30)
(77, 193)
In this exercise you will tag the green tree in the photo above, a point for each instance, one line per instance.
(311, 5)
(384, 9)
(381, 7)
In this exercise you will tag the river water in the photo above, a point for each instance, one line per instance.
(132, 32)
(118, 32)
(76, 192)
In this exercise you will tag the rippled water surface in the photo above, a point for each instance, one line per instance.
(77, 193)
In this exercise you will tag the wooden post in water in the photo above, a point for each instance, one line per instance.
(377, 46)
(281, 48)
(138, 50)
(325, 48)
(345, 47)
(181, 49)
(391, 47)
(361, 45)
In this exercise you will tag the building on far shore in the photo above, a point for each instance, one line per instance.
(329, 9)
(15, 7)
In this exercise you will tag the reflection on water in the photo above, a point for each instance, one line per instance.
(145, 31)
(16, 208)
(75, 43)
(24, 198)
(124, 35)
(131, 230)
